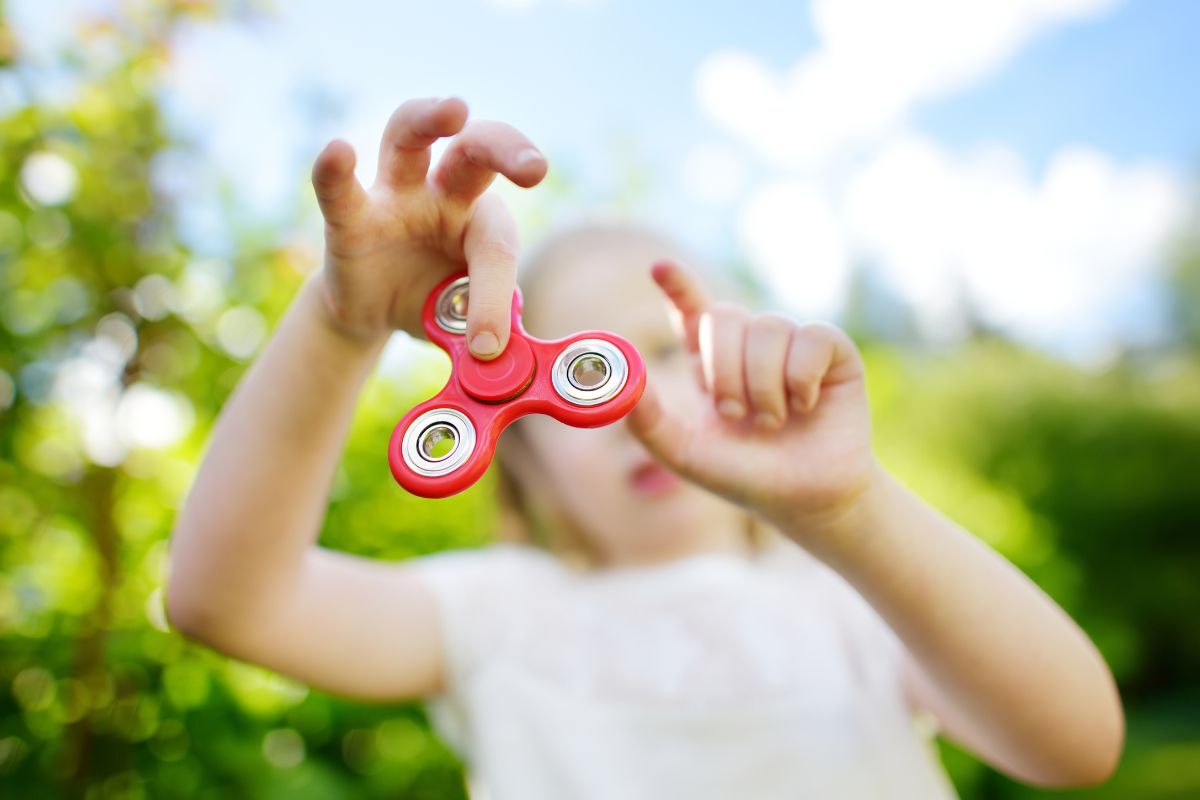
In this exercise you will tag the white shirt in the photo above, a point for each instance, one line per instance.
(711, 676)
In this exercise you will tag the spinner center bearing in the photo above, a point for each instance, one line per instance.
(502, 378)
(495, 381)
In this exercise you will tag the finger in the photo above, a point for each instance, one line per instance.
(767, 339)
(685, 300)
(688, 299)
(339, 194)
(819, 354)
(483, 149)
(664, 433)
(412, 128)
(722, 343)
(490, 246)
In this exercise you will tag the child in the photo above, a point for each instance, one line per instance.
(672, 654)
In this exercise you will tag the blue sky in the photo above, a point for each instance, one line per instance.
(1125, 82)
(1038, 153)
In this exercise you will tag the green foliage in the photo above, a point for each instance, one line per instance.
(118, 346)
(1087, 482)
(1184, 284)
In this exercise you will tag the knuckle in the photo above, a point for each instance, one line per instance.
(726, 387)
(726, 378)
(772, 324)
(399, 117)
(486, 311)
(473, 131)
(408, 108)
(765, 397)
(496, 251)
(800, 367)
(802, 383)
(727, 310)
(824, 331)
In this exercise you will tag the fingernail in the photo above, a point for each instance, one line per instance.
(798, 404)
(484, 344)
(765, 419)
(528, 156)
(731, 408)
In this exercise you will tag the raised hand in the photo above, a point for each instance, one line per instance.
(387, 246)
(784, 429)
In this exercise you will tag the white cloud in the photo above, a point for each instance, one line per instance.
(1047, 258)
(1033, 256)
(791, 231)
(1057, 258)
(877, 60)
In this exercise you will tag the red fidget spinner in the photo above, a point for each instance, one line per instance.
(446, 443)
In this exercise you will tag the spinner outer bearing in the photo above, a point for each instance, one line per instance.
(450, 309)
(413, 445)
(562, 372)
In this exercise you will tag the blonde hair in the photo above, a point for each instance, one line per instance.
(532, 520)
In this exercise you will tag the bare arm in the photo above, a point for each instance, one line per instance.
(246, 574)
(1006, 671)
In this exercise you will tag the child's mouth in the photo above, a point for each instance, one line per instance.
(651, 478)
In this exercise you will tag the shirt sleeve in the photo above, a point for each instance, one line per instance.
(477, 592)
(878, 653)
(875, 653)
(481, 596)
(902, 737)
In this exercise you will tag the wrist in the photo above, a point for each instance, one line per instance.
(315, 292)
(838, 529)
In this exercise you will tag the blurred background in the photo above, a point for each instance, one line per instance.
(997, 198)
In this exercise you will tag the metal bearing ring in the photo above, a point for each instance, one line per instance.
(589, 371)
(450, 311)
(425, 442)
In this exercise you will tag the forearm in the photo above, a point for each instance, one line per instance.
(257, 502)
(1017, 674)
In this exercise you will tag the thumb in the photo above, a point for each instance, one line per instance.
(664, 434)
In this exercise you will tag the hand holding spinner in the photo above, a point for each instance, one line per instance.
(446, 443)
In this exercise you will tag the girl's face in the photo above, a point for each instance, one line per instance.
(630, 508)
